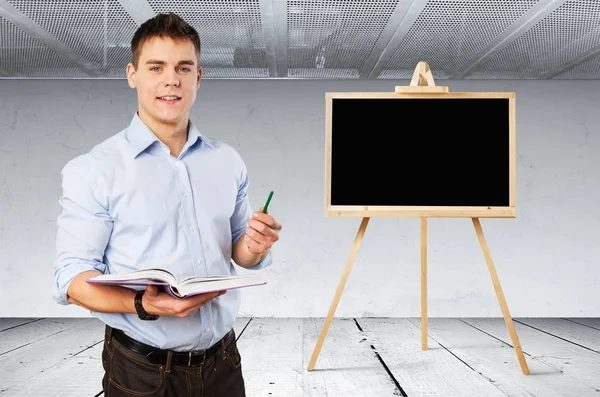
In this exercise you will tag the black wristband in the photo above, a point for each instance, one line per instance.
(139, 308)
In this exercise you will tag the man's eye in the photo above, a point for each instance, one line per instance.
(154, 68)
(184, 69)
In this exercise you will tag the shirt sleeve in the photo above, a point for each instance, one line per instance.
(242, 213)
(84, 226)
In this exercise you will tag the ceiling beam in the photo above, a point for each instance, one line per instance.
(22, 21)
(403, 17)
(571, 63)
(274, 21)
(139, 10)
(521, 26)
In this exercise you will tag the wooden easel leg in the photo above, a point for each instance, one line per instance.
(338, 293)
(501, 298)
(424, 283)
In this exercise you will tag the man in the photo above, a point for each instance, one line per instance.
(161, 194)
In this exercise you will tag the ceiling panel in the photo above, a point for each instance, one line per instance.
(568, 32)
(98, 31)
(449, 34)
(332, 39)
(22, 55)
(588, 70)
(313, 39)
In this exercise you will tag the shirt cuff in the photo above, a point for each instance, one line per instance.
(65, 274)
(263, 263)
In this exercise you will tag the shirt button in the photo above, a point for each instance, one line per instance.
(198, 261)
(207, 330)
(191, 229)
(177, 164)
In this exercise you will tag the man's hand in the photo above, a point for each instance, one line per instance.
(262, 232)
(163, 304)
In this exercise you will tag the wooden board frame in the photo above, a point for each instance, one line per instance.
(421, 211)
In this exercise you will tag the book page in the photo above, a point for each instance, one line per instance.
(219, 284)
(146, 274)
(210, 279)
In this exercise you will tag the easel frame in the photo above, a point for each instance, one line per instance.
(422, 82)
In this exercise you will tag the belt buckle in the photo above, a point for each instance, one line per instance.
(154, 357)
(192, 353)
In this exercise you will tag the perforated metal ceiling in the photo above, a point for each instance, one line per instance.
(313, 39)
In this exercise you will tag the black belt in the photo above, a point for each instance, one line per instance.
(160, 356)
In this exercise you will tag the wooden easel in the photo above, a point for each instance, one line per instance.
(422, 82)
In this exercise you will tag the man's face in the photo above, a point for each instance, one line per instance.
(167, 79)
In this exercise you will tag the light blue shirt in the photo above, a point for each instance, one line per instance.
(128, 204)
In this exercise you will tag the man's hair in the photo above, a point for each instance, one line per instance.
(163, 25)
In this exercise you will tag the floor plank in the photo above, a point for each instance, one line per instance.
(589, 322)
(271, 351)
(497, 361)
(572, 360)
(8, 323)
(346, 366)
(579, 334)
(20, 365)
(80, 375)
(434, 372)
(18, 337)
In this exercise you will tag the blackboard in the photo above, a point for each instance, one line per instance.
(420, 154)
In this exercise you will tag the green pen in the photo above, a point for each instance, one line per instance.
(267, 203)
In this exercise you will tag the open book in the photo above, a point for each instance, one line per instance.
(178, 288)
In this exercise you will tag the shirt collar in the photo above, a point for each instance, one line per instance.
(194, 135)
(140, 137)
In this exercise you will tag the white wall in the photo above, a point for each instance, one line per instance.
(547, 258)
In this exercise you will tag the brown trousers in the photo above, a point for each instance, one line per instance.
(128, 373)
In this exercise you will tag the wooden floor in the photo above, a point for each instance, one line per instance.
(360, 357)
